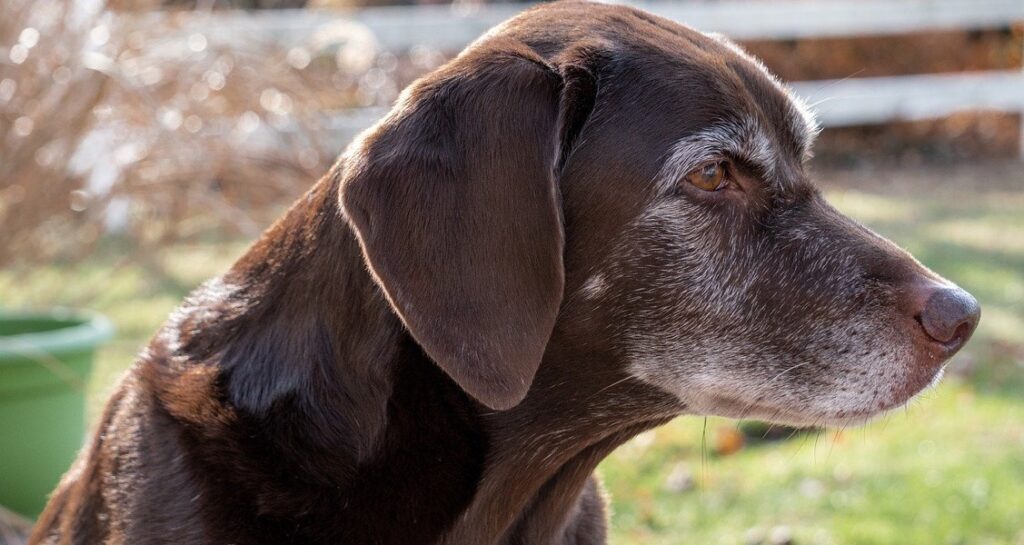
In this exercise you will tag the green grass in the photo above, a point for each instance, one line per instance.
(948, 470)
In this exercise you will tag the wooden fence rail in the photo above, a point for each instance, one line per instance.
(855, 101)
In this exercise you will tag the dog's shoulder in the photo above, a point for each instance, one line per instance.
(129, 481)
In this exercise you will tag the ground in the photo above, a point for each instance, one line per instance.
(949, 469)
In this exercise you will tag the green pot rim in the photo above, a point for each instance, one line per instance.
(86, 330)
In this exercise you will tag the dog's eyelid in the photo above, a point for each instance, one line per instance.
(747, 176)
(752, 169)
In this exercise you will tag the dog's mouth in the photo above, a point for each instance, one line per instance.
(831, 407)
(792, 416)
(836, 418)
(759, 410)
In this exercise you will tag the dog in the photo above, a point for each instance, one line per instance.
(591, 221)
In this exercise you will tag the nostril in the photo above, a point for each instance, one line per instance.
(950, 315)
(962, 333)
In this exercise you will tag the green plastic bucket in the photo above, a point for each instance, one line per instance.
(45, 360)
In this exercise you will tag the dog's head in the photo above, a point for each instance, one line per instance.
(641, 188)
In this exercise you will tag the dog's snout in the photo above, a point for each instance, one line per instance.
(948, 315)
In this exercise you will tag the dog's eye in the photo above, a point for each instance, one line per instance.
(710, 177)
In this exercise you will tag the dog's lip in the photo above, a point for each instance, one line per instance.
(730, 407)
(811, 419)
(921, 377)
(923, 373)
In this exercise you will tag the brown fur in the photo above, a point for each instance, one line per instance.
(494, 288)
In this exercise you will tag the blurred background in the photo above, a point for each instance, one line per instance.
(145, 143)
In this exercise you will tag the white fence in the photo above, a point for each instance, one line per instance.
(853, 101)
(454, 26)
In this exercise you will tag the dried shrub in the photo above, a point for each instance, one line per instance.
(47, 95)
(154, 128)
(151, 127)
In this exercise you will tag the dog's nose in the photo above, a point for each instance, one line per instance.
(949, 316)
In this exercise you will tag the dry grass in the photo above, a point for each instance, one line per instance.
(149, 131)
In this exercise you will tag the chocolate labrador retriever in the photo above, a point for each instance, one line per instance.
(591, 221)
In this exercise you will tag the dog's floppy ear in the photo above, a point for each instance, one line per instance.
(454, 200)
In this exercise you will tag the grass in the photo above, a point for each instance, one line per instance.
(947, 470)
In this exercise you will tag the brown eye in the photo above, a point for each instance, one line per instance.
(710, 177)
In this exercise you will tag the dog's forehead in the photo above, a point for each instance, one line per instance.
(743, 112)
(686, 91)
(665, 45)
(781, 108)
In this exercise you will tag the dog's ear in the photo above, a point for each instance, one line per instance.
(454, 200)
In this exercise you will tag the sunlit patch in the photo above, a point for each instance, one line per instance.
(979, 235)
(869, 207)
(1002, 323)
(594, 286)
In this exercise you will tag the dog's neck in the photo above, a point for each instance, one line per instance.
(326, 392)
